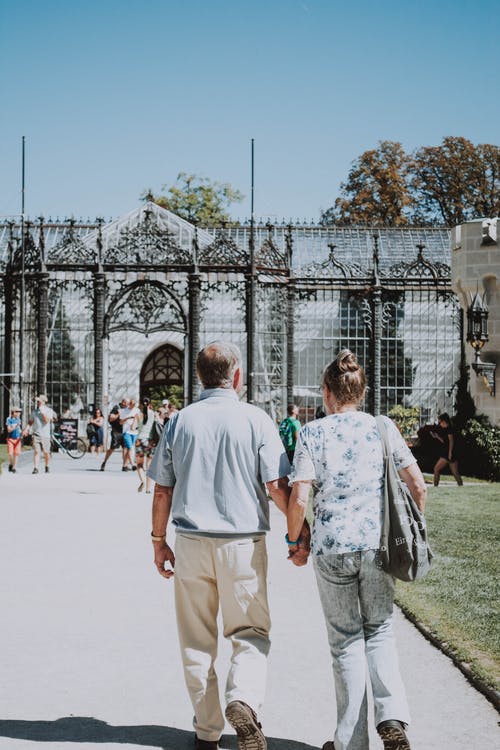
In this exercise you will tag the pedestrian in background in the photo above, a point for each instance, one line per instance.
(14, 437)
(143, 444)
(341, 457)
(116, 440)
(289, 430)
(95, 431)
(129, 417)
(448, 456)
(40, 423)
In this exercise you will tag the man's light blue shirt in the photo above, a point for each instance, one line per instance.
(218, 454)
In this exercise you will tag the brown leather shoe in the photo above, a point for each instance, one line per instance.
(205, 744)
(393, 735)
(243, 719)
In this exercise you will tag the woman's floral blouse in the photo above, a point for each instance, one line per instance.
(342, 455)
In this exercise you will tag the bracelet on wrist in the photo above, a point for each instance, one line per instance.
(155, 538)
(290, 543)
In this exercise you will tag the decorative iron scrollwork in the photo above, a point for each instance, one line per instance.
(146, 307)
(32, 259)
(71, 249)
(147, 243)
(268, 255)
(419, 270)
(223, 251)
(332, 268)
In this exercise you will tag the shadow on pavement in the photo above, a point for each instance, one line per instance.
(85, 729)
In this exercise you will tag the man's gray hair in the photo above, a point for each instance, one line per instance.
(216, 364)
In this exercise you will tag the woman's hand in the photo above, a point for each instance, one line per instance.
(300, 553)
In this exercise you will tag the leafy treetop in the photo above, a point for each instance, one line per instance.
(447, 184)
(197, 199)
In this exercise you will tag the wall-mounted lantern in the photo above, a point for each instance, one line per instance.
(477, 336)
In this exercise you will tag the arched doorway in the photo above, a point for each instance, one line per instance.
(162, 369)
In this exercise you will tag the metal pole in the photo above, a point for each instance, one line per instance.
(253, 183)
(250, 297)
(23, 285)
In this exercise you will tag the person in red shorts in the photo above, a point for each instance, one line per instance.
(14, 435)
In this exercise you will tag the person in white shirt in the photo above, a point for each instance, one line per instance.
(144, 445)
(128, 420)
(40, 421)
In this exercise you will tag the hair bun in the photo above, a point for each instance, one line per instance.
(347, 361)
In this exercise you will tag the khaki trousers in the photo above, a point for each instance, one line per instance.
(232, 573)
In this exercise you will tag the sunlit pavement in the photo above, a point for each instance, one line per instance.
(89, 643)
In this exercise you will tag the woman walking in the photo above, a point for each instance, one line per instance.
(447, 450)
(341, 457)
(95, 431)
(143, 445)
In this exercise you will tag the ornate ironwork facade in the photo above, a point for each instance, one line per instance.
(98, 300)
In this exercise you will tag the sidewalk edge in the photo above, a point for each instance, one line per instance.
(490, 693)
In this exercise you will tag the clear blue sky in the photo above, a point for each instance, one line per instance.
(115, 96)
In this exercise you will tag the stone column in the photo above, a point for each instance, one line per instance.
(99, 307)
(194, 285)
(42, 280)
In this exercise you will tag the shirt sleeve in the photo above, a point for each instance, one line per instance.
(161, 468)
(303, 469)
(402, 455)
(273, 461)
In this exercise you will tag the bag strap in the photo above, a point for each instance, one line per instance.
(382, 428)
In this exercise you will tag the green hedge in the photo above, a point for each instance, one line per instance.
(480, 454)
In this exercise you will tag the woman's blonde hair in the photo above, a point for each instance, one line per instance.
(345, 378)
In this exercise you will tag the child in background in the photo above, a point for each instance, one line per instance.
(14, 434)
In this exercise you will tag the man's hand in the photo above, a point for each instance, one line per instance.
(164, 554)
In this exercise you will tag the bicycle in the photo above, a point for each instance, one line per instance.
(74, 447)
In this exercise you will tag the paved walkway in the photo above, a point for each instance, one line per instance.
(89, 646)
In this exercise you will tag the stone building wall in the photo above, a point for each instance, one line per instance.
(475, 266)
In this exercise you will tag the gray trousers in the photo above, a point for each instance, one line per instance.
(357, 599)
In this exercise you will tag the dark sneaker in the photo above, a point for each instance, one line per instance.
(125, 468)
(328, 746)
(35, 471)
(103, 467)
(244, 722)
(10, 467)
(47, 470)
(205, 744)
(393, 735)
(13, 470)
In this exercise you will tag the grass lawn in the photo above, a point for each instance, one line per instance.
(459, 600)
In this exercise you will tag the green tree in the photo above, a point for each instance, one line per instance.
(446, 184)
(197, 199)
(455, 182)
(377, 189)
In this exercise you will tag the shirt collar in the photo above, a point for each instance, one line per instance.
(224, 392)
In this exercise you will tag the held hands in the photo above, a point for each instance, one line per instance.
(164, 554)
(298, 554)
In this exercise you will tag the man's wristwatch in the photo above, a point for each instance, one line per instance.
(155, 538)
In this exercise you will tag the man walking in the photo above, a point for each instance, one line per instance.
(214, 461)
(116, 431)
(289, 430)
(41, 421)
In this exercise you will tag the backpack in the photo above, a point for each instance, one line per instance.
(286, 433)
